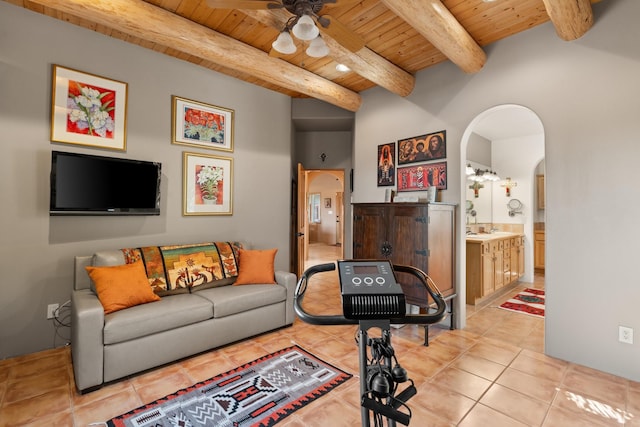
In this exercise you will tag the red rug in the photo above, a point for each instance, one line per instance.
(530, 301)
(260, 393)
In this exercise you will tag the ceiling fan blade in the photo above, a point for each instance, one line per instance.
(340, 33)
(244, 4)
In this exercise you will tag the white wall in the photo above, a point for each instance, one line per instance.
(36, 251)
(587, 95)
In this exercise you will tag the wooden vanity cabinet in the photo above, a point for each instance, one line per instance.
(421, 235)
(540, 191)
(538, 249)
(493, 264)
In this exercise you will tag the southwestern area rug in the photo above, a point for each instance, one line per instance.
(530, 301)
(260, 393)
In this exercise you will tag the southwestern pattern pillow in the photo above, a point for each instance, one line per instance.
(178, 269)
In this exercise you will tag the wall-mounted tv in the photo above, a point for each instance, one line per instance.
(83, 184)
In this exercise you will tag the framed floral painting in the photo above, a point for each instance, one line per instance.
(207, 184)
(88, 110)
(202, 125)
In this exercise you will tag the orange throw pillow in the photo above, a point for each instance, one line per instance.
(255, 267)
(122, 286)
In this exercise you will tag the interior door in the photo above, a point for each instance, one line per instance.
(339, 216)
(301, 222)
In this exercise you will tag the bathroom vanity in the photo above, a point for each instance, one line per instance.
(494, 260)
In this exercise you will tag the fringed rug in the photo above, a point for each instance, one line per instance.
(530, 301)
(260, 393)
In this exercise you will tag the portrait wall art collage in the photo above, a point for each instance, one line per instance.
(417, 167)
(91, 111)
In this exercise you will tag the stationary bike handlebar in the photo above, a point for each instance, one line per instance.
(420, 319)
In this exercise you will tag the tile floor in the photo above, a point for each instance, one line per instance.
(491, 374)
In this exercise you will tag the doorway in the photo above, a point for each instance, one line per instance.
(320, 217)
(514, 140)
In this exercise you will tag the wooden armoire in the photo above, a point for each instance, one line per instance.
(420, 235)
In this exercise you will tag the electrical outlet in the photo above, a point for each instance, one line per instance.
(51, 310)
(625, 334)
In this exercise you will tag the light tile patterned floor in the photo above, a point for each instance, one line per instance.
(492, 373)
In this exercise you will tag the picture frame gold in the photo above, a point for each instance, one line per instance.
(201, 125)
(207, 184)
(88, 110)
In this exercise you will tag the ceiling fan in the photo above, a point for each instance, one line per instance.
(305, 14)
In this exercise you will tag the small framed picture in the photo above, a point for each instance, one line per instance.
(387, 164)
(327, 202)
(201, 125)
(88, 110)
(420, 177)
(207, 184)
(431, 146)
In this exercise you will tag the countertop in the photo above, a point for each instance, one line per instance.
(484, 237)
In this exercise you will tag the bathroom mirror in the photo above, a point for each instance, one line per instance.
(481, 213)
(479, 158)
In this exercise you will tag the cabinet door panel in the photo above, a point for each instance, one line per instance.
(409, 239)
(409, 236)
(369, 232)
(488, 274)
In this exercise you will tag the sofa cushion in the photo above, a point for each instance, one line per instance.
(175, 269)
(256, 267)
(229, 300)
(170, 312)
(121, 286)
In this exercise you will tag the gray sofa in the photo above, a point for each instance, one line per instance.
(112, 346)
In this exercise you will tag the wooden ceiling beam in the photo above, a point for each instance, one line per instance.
(151, 23)
(571, 18)
(435, 23)
(364, 61)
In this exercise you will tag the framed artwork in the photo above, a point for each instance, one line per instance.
(88, 110)
(201, 125)
(419, 177)
(327, 203)
(207, 184)
(431, 146)
(386, 165)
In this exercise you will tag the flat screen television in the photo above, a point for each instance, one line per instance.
(83, 184)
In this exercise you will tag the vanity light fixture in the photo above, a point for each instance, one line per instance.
(480, 175)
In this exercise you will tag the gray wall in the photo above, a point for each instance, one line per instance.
(36, 251)
(587, 94)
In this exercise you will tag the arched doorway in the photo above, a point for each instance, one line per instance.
(514, 137)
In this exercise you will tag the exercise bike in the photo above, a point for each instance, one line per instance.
(372, 298)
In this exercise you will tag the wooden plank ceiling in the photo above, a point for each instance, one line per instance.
(399, 37)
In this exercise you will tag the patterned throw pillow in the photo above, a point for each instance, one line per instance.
(178, 269)
(228, 258)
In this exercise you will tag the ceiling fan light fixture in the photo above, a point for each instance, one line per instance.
(317, 48)
(305, 28)
(284, 43)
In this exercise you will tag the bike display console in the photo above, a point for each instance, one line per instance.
(369, 290)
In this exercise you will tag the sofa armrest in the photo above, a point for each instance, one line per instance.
(87, 349)
(289, 281)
